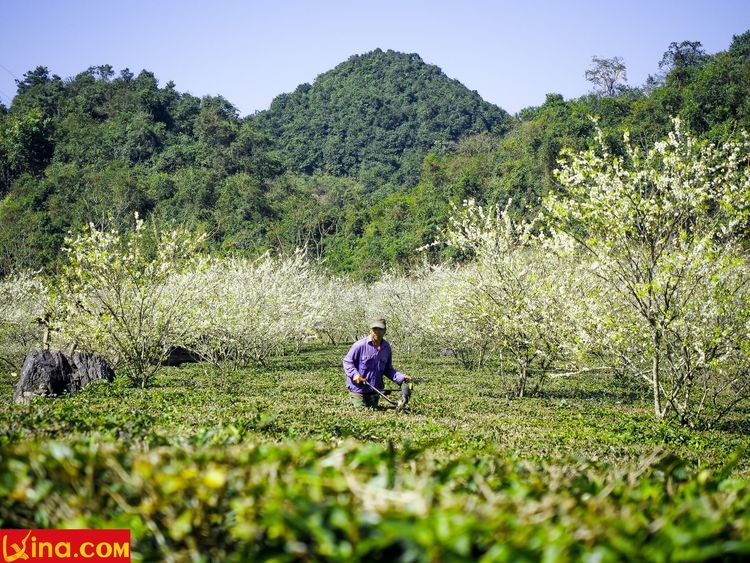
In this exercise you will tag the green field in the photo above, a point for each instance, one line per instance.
(273, 462)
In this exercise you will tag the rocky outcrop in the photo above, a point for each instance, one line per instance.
(88, 368)
(49, 373)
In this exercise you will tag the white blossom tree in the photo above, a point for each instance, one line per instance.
(662, 230)
(245, 311)
(342, 310)
(405, 300)
(122, 295)
(23, 302)
(513, 294)
(458, 317)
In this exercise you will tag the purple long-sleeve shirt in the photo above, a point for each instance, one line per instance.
(372, 364)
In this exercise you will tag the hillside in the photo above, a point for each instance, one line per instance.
(99, 147)
(376, 115)
(360, 168)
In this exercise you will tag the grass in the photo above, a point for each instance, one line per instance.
(302, 397)
(274, 463)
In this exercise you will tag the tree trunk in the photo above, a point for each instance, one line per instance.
(655, 372)
(521, 382)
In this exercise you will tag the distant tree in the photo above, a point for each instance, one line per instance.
(239, 212)
(653, 81)
(38, 76)
(27, 240)
(24, 145)
(608, 75)
(740, 46)
(101, 72)
(680, 58)
(683, 55)
(38, 90)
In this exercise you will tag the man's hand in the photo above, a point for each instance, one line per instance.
(358, 379)
(407, 377)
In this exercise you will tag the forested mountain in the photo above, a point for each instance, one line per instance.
(98, 149)
(359, 167)
(376, 116)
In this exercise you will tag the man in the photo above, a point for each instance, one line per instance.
(368, 360)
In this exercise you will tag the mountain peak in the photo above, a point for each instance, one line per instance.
(380, 110)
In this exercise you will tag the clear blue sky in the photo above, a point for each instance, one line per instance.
(512, 52)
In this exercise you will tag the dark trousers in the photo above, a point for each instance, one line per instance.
(364, 400)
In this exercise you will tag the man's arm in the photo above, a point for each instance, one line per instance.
(351, 363)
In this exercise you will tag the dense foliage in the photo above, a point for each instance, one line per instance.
(376, 116)
(97, 149)
(302, 501)
(359, 167)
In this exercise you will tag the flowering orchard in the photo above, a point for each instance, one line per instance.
(636, 266)
(244, 311)
(511, 296)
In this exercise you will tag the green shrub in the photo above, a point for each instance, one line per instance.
(356, 502)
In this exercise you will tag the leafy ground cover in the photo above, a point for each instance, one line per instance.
(273, 462)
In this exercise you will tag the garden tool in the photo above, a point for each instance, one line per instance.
(406, 388)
